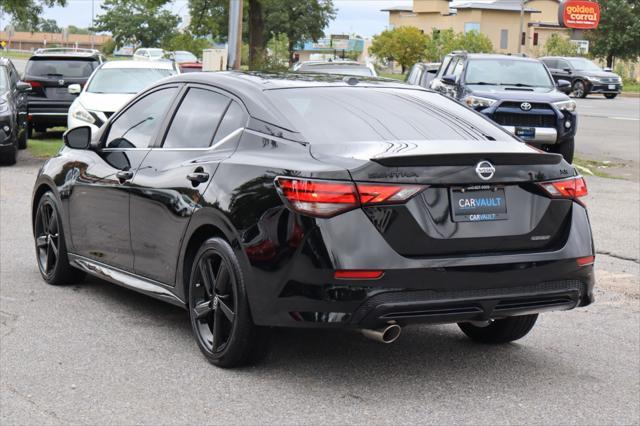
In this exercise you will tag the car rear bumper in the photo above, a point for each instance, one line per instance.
(544, 135)
(48, 113)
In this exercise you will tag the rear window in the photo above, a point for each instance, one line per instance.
(125, 80)
(356, 114)
(60, 68)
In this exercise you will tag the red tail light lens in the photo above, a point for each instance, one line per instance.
(569, 188)
(355, 274)
(585, 261)
(329, 198)
(34, 84)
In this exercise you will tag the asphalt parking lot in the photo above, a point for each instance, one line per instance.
(96, 353)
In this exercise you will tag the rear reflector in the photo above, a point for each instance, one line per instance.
(358, 275)
(328, 198)
(585, 261)
(568, 188)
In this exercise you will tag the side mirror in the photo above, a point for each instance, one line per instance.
(74, 89)
(564, 86)
(23, 87)
(607, 69)
(449, 79)
(78, 137)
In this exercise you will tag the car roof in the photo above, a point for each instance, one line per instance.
(164, 65)
(66, 53)
(495, 56)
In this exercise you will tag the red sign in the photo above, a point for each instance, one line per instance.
(584, 15)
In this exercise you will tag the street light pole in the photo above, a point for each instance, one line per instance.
(235, 34)
(521, 26)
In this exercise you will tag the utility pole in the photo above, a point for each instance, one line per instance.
(235, 34)
(92, 18)
(521, 26)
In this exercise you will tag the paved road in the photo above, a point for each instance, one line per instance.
(96, 353)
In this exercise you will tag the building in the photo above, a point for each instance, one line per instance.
(497, 19)
(30, 41)
(336, 46)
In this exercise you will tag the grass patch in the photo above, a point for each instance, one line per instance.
(400, 77)
(44, 148)
(15, 55)
(631, 87)
(597, 168)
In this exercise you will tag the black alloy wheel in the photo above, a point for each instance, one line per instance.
(51, 251)
(218, 307)
(579, 89)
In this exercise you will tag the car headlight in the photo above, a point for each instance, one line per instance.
(594, 79)
(478, 102)
(566, 105)
(82, 114)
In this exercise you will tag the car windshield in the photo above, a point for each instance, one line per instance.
(350, 114)
(337, 69)
(60, 68)
(582, 64)
(125, 80)
(185, 57)
(155, 53)
(507, 72)
(4, 80)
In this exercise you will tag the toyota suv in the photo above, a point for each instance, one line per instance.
(516, 92)
(50, 72)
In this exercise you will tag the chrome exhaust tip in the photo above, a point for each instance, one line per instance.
(388, 334)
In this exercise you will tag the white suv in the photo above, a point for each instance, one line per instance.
(149, 54)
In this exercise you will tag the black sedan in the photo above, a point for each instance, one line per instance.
(13, 112)
(256, 201)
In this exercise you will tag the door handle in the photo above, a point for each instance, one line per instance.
(197, 178)
(124, 175)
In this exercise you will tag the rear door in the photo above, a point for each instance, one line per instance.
(171, 181)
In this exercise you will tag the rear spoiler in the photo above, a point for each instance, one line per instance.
(470, 159)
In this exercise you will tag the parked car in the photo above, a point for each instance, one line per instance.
(585, 76)
(257, 200)
(422, 73)
(13, 112)
(515, 92)
(187, 61)
(111, 86)
(149, 54)
(50, 72)
(335, 67)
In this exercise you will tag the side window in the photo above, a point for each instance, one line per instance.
(413, 75)
(234, 119)
(443, 66)
(196, 120)
(136, 127)
(563, 65)
(451, 66)
(457, 70)
(550, 63)
(13, 76)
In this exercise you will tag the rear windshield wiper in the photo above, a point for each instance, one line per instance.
(51, 74)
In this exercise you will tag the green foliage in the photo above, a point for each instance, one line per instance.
(405, 45)
(108, 47)
(441, 43)
(77, 30)
(618, 34)
(558, 45)
(186, 41)
(210, 18)
(27, 11)
(43, 25)
(139, 22)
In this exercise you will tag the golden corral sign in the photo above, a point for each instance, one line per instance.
(584, 15)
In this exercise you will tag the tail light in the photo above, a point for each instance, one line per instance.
(34, 84)
(573, 188)
(328, 198)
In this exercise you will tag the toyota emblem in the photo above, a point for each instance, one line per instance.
(525, 106)
(485, 170)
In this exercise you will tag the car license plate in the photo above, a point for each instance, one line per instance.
(478, 204)
(612, 87)
(526, 132)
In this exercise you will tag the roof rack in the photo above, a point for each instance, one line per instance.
(80, 51)
(522, 54)
(459, 52)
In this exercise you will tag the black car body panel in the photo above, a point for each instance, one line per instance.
(595, 80)
(528, 112)
(142, 231)
(13, 108)
(50, 72)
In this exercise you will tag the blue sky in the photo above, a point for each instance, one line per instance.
(354, 16)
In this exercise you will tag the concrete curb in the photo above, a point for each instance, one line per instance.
(630, 94)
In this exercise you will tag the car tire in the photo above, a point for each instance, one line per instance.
(51, 250)
(9, 156)
(500, 331)
(219, 309)
(610, 95)
(565, 148)
(23, 137)
(579, 89)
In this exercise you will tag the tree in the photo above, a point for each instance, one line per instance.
(49, 26)
(405, 45)
(77, 30)
(441, 43)
(186, 41)
(140, 22)
(27, 11)
(618, 34)
(559, 45)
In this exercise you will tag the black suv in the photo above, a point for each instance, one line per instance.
(585, 76)
(50, 72)
(13, 112)
(515, 92)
